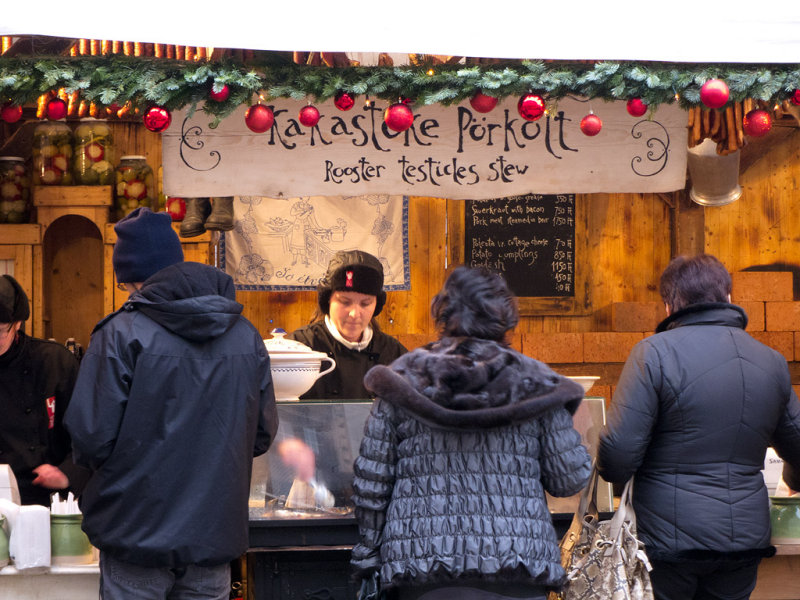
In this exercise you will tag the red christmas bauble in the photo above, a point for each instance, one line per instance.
(157, 119)
(309, 115)
(176, 207)
(259, 118)
(221, 95)
(398, 117)
(531, 107)
(757, 123)
(714, 93)
(482, 103)
(796, 98)
(56, 109)
(10, 113)
(636, 108)
(344, 101)
(591, 124)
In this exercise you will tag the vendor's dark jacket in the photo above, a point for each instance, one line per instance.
(173, 399)
(695, 408)
(346, 381)
(463, 440)
(33, 373)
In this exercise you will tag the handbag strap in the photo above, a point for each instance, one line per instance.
(624, 514)
(588, 500)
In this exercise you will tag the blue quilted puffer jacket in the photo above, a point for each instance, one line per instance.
(695, 408)
(463, 440)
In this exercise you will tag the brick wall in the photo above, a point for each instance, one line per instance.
(767, 297)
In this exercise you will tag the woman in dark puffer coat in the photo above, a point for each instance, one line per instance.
(463, 440)
(695, 408)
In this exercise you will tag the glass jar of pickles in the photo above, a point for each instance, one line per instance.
(52, 154)
(94, 154)
(14, 190)
(135, 185)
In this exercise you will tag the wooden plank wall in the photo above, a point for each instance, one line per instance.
(762, 228)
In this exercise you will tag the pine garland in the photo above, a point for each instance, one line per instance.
(173, 84)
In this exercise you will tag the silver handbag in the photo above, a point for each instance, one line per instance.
(608, 561)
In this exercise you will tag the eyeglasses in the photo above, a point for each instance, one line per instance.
(7, 330)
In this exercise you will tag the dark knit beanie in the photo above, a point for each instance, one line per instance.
(146, 243)
(13, 301)
(352, 271)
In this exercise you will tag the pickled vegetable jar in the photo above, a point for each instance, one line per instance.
(52, 154)
(94, 154)
(135, 185)
(15, 188)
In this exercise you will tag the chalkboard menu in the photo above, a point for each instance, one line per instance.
(528, 239)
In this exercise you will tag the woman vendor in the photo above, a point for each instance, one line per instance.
(349, 296)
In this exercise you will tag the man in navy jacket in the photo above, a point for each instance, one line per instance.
(174, 397)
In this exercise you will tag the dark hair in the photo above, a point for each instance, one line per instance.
(694, 280)
(475, 302)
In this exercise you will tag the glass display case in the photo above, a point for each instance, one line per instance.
(308, 471)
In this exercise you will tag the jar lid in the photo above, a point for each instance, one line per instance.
(279, 345)
(133, 157)
(19, 158)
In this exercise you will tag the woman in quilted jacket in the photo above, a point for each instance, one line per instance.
(464, 438)
(695, 408)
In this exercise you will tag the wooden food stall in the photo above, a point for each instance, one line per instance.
(620, 239)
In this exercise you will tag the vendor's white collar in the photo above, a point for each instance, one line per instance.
(366, 337)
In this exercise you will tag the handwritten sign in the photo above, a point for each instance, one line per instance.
(528, 239)
(449, 152)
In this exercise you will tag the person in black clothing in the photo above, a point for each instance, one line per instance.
(36, 381)
(695, 408)
(349, 297)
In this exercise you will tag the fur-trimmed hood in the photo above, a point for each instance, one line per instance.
(467, 383)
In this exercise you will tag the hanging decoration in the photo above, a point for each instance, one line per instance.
(714, 93)
(56, 109)
(344, 101)
(531, 107)
(220, 96)
(796, 98)
(157, 119)
(757, 123)
(175, 84)
(591, 124)
(259, 118)
(398, 117)
(636, 108)
(483, 103)
(309, 115)
(11, 113)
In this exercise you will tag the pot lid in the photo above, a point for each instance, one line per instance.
(280, 346)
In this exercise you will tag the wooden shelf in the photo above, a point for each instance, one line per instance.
(73, 195)
(29, 233)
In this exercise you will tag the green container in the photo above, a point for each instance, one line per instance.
(3, 543)
(68, 543)
(784, 514)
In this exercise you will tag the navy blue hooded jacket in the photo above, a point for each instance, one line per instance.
(173, 399)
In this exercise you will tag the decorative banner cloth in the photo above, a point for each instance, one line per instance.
(286, 244)
(449, 152)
